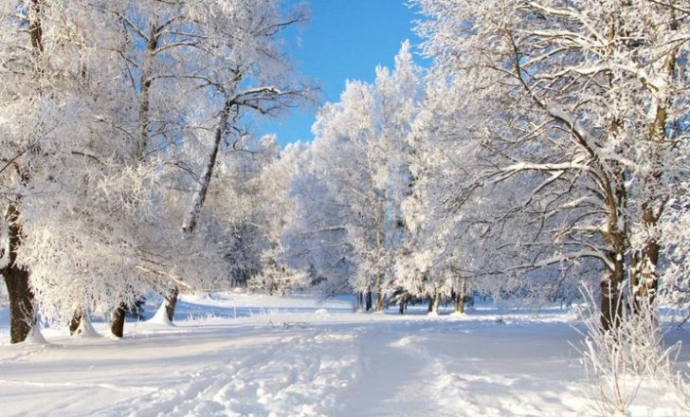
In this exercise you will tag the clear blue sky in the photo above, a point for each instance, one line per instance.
(345, 40)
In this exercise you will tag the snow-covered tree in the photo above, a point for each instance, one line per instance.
(579, 104)
(109, 112)
(359, 172)
(275, 208)
(53, 92)
(240, 71)
(315, 237)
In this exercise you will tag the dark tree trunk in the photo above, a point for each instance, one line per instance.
(171, 302)
(611, 295)
(368, 301)
(21, 297)
(199, 197)
(360, 300)
(75, 322)
(117, 323)
(459, 296)
(402, 304)
(21, 303)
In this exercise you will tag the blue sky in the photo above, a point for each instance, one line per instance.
(345, 39)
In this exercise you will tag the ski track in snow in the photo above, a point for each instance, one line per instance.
(298, 375)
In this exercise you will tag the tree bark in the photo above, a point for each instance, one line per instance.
(171, 303)
(360, 300)
(117, 323)
(76, 321)
(17, 281)
(21, 298)
(402, 303)
(460, 297)
(368, 300)
(611, 294)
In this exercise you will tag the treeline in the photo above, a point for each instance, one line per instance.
(544, 148)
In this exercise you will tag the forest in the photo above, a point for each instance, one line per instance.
(542, 154)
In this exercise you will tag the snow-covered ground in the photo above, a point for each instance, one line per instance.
(241, 355)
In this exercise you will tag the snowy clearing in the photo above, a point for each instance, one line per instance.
(240, 355)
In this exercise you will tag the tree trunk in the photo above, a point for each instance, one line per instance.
(460, 296)
(360, 301)
(117, 323)
(437, 302)
(171, 302)
(76, 321)
(368, 301)
(17, 281)
(643, 278)
(611, 295)
(21, 297)
(199, 197)
(21, 303)
(379, 294)
(402, 304)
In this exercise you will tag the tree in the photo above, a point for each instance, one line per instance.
(116, 104)
(359, 163)
(578, 100)
(245, 71)
(33, 89)
(80, 256)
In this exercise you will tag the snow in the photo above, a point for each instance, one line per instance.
(235, 354)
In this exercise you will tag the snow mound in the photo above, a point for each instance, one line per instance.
(85, 329)
(161, 317)
(35, 337)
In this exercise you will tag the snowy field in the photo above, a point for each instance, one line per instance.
(241, 355)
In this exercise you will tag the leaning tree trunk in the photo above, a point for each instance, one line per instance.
(192, 217)
(75, 322)
(117, 322)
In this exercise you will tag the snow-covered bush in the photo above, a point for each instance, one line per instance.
(628, 360)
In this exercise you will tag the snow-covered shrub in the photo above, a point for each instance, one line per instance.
(628, 359)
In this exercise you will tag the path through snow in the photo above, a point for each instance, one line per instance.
(290, 359)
